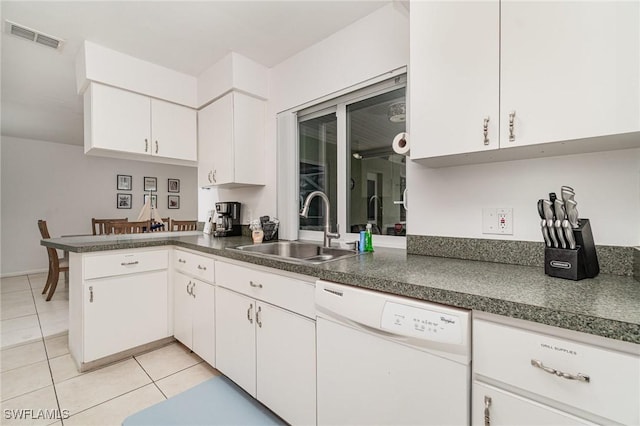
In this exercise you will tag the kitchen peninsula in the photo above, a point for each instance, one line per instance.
(255, 319)
(607, 306)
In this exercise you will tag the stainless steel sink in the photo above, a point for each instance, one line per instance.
(296, 251)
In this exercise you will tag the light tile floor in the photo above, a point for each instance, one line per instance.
(39, 381)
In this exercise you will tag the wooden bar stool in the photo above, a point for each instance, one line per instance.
(128, 227)
(56, 265)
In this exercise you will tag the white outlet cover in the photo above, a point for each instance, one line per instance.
(497, 221)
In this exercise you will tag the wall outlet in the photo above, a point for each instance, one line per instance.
(497, 221)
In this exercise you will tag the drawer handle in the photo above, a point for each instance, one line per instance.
(135, 262)
(182, 261)
(249, 317)
(487, 411)
(193, 293)
(204, 268)
(256, 285)
(579, 377)
(188, 289)
(90, 294)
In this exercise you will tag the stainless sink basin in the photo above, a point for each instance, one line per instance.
(296, 251)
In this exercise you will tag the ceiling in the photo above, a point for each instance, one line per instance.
(39, 98)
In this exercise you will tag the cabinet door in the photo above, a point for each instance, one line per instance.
(248, 139)
(569, 70)
(206, 148)
(286, 358)
(236, 338)
(218, 132)
(204, 321)
(141, 315)
(182, 309)
(173, 131)
(505, 408)
(118, 120)
(454, 77)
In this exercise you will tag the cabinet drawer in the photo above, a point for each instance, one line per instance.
(124, 262)
(543, 364)
(289, 293)
(195, 265)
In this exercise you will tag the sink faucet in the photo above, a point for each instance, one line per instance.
(328, 235)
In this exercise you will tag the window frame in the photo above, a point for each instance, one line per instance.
(288, 173)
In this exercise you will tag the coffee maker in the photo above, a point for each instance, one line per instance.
(228, 219)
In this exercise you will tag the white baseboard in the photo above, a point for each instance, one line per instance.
(18, 273)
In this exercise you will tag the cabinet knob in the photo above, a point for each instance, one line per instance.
(146, 145)
(485, 130)
(156, 147)
(210, 176)
(193, 286)
(213, 175)
(512, 134)
(188, 289)
(90, 294)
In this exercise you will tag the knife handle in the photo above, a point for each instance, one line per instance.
(545, 232)
(559, 231)
(568, 232)
(552, 233)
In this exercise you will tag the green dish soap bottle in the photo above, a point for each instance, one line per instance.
(368, 239)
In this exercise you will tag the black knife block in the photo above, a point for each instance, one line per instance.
(574, 264)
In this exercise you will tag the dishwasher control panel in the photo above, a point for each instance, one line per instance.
(421, 323)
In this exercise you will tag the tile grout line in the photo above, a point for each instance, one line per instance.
(151, 378)
(46, 353)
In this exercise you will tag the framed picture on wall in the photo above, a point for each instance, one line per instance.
(174, 202)
(123, 201)
(174, 185)
(154, 200)
(124, 183)
(150, 184)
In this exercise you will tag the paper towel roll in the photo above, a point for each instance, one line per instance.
(401, 144)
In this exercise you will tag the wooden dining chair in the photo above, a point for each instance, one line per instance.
(163, 221)
(183, 225)
(128, 227)
(56, 265)
(100, 226)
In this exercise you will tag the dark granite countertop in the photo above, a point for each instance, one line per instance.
(608, 305)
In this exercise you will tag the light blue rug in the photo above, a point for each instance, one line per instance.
(218, 401)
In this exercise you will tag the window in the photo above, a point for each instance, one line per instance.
(344, 150)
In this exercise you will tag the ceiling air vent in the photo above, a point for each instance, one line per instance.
(33, 35)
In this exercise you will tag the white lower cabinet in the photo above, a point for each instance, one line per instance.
(493, 406)
(193, 315)
(123, 306)
(268, 351)
(531, 374)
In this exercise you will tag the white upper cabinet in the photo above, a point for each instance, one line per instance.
(174, 131)
(569, 70)
(538, 78)
(454, 77)
(119, 123)
(231, 142)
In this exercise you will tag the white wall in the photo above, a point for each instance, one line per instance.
(58, 183)
(449, 201)
(371, 46)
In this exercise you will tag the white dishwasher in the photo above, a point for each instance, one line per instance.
(389, 360)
